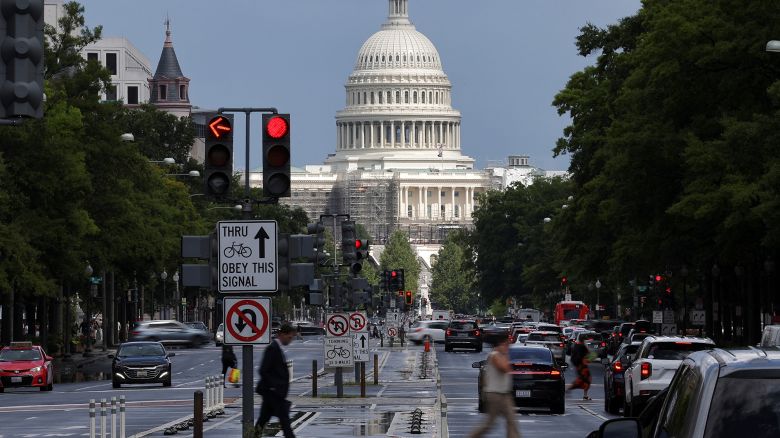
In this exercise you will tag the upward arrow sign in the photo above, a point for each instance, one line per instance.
(262, 236)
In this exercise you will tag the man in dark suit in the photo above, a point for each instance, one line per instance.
(275, 383)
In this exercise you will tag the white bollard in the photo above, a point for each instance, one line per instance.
(221, 398)
(113, 417)
(102, 418)
(121, 416)
(92, 418)
(207, 405)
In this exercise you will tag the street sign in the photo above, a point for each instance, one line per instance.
(698, 317)
(393, 318)
(338, 352)
(668, 317)
(358, 322)
(247, 320)
(247, 256)
(337, 324)
(392, 332)
(361, 346)
(669, 329)
(658, 317)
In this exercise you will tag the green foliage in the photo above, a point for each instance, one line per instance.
(399, 254)
(453, 280)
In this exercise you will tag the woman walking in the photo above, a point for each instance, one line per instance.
(579, 358)
(228, 360)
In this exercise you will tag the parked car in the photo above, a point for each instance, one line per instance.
(654, 366)
(771, 336)
(537, 380)
(433, 331)
(715, 394)
(550, 340)
(141, 362)
(614, 385)
(167, 332)
(23, 364)
(463, 334)
(219, 337)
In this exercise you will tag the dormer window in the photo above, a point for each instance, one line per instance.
(182, 92)
(163, 95)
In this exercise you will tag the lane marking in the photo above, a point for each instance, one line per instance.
(93, 386)
(595, 414)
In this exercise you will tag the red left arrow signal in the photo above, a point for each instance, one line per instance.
(220, 126)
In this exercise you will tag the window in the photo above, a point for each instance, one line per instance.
(409, 211)
(313, 194)
(457, 194)
(423, 97)
(457, 211)
(111, 64)
(679, 417)
(92, 56)
(430, 193)
(415, 97)
(163, 94)
(430, 211)
(111, 93)
(182, 92)
(388, 97)
(443, 211)
(380, 95)
(406, 97)
(372, 98)
(530, 355)
(132, 95)
(397, 97)
(442, 193)
(744, 404)
(411, 195)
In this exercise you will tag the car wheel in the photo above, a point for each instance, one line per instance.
(50, 387)
(478, 349)
(115, 384)
(447, 348)
(613, 406)
(626, 408)
(559, 408)
(480, 406)
(2, 390)
(167, 382)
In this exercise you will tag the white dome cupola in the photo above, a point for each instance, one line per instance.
(398, 98)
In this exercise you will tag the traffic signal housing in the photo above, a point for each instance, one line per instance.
(348, 251)
(21, 69)
(396, 281)
(218, 164)
(409, 298)
(276, 155)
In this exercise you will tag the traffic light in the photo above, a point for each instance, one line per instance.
(21, 69)
(348, 251)
(564, 281)
(409, 298)
(384, 280)
(296, 253)
(317, 229)
(396, 282)
(219, 156)
(362, 247)
(400, 280)
(276, 155)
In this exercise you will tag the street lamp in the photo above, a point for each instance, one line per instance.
(235, 207)
(177, 299)
(127, 137)
(773, 46)
(191, 173)
(684, 274)
(168, 160)
(598, 300)
(163, 276)
(86, 325)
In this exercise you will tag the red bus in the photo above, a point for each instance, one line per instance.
(566, 310)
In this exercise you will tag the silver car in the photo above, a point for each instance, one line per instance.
(219, 338)
(168, 332)
(551, 340)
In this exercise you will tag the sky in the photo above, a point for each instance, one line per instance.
(506, 60)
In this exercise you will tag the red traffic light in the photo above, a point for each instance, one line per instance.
(658, 278)
(276, 127)
(564, 280)
(220, 126)
(393, 274)
(358, 243)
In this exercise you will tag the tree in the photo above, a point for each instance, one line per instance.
(453, 284)
(399, 254)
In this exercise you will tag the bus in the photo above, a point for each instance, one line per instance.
(566, 310)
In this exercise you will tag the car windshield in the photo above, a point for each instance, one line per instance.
(585, 337)
(141, 350)
(9, 355)
(533, 355)
(745, 405)
(675, 350)
(463, 325)
(546, 337)
(221, 327)
(628, 351)
(550, 328)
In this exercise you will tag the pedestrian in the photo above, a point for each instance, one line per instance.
(228, 361)
(275, 383)
(497, 392)
(579, 358)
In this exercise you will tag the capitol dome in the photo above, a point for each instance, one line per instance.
(398, 100)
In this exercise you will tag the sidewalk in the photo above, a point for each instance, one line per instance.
(79, 368)
(408, 381)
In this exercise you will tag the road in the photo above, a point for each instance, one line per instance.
(459, 384)
(64, 411)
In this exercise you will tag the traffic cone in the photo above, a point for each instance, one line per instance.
(427, 345)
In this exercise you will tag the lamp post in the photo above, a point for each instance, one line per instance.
(717, 306)
(177, 298)
(163, 276)
(598, 299)
(684, 274)
(86, 324)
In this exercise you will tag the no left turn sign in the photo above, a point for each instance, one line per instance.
(247, 320)
(337, 324)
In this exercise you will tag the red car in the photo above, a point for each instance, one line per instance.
(24, 364)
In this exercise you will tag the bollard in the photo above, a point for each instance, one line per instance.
(221, 395)
(362, 379)
(92, 418)
(113, 417)
(121, 416)
(102, 418)
(290, 369)
(376, 369)
(208, 393)
(197, 416)
(427, 345)
(314, 378)
(381, 339)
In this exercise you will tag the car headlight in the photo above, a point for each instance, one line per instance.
(35, 370)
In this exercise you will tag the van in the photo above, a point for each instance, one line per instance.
(771, 336)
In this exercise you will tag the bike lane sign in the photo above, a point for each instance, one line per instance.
(247, 256)
(338, 352)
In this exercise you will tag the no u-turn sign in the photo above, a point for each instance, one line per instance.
(247, 320)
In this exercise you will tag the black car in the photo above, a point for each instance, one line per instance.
(537, 380)
(141, 362)
(496, 332)
(614, 385)
(463, 334)
(622, 333)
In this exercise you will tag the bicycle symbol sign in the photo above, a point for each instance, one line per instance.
(237, 249)
(338, 352)
(337, 325)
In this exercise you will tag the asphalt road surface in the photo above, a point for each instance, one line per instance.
(65, 411)
(459, 384)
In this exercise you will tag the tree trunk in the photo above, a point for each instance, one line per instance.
(7, 329)
(18, 322)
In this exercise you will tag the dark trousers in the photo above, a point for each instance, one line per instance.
(275, 406)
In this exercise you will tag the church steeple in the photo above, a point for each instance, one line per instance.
(169, 88)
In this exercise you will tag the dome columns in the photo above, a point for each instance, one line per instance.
(398, 134)
(449, 202)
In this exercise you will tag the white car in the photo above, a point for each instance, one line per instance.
(219, 338)
(433, 330)
(522, 338)
(652, 368)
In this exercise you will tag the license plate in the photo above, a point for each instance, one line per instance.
(16, 379)
(463, 335)
(523, 393)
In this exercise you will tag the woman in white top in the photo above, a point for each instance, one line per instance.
(497, 392)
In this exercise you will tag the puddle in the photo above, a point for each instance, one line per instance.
(78, 376)
(376, 426)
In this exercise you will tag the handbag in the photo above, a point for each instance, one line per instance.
(234, 375)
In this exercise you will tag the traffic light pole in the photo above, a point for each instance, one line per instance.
(247, 391)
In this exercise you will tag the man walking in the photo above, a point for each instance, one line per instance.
(275, 383)
(497, 390)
